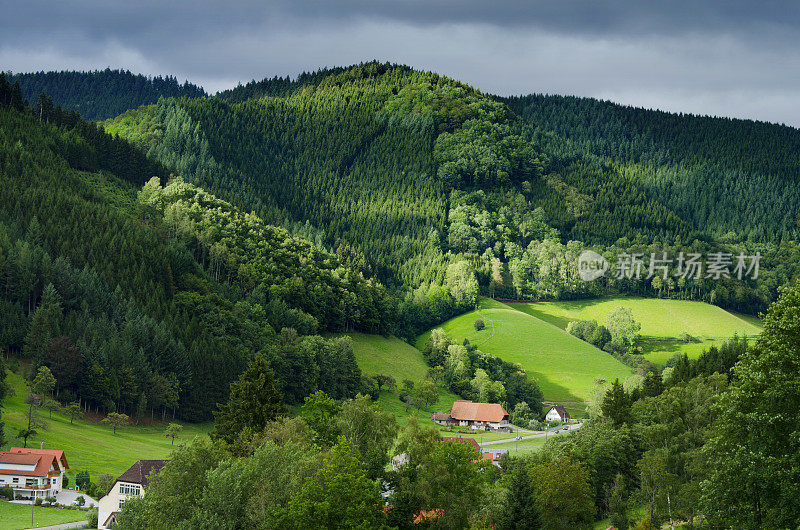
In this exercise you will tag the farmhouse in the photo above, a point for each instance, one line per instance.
(487, 416)
(32, 472)
(129, 484)
(557, 413)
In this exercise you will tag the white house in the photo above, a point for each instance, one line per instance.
(132, 483)
(33, 472)
(557, 413)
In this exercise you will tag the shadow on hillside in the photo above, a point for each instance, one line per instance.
(556, 320)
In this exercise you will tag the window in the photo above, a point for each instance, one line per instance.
(130, 489)
(15, 480)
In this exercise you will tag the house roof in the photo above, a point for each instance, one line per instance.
(464, 410)
(561, 410)
(440, 416)
(57, 453)
(139, 472)
(42, 462)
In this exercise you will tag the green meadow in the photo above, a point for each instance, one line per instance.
(18, 516)
(663, 322)
(376, 354)
(88, 444)
(564, 367)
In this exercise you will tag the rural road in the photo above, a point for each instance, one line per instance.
(572, 428)
(64, 526)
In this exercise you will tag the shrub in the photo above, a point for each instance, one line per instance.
(92, 516)
(50, 500)
(65, 482)
(38, 501)
(80, 501)
(8, 493)
(582, 329)
(479, 324)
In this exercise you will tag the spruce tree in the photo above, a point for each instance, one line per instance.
(253, 402)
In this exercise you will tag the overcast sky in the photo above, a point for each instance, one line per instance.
(729, 58)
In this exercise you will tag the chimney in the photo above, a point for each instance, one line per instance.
(41, 445)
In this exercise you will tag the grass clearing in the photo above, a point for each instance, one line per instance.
(90, 445)
(18, 516)
(376, 354)
(663, 321)
(564, 367)
(521, 447)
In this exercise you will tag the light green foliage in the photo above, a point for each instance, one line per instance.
(339, 495)
(488, 391)
(369, 430)
(623, 328)
(116, 420)
(172, 431)
(319, 412)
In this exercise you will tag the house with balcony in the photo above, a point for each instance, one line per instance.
(33, 473)
(132, 483)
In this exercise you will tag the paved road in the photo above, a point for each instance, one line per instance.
(572, 428)
(65, 526)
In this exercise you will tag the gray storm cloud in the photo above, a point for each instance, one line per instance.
(734, 58)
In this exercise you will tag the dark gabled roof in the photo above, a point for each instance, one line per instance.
(561, 410)
(139, 472)
(440, 416)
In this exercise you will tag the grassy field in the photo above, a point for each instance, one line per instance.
(663, 322)
(564, 367)
(521, 447)
(391, 356)
(89, 445)
(18, 516)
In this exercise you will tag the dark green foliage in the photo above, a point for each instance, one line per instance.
(617, 404)
(102, 94)
(521, 511)
(254, 401)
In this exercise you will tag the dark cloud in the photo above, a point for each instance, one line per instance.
(733, 58)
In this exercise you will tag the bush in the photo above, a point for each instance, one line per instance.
(8, 493)
(599, 337)
(50, 500)
(479, 324)
(80, 501)
(38, 501)
(65, 482)
(582, 329)
(92, 516)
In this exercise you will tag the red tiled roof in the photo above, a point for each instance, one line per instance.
(43, 463)
(440, 416)
(468, 411)
(57, 453)
(14, 458)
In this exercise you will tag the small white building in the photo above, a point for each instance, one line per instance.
(557, 413)
(33, 472)
(132, 483)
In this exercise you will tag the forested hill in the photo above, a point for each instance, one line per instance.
(419, 172)
(102, 94)
(142, 293)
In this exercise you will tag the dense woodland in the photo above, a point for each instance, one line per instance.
(710, 443)
(101, 94)
(190, 257)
